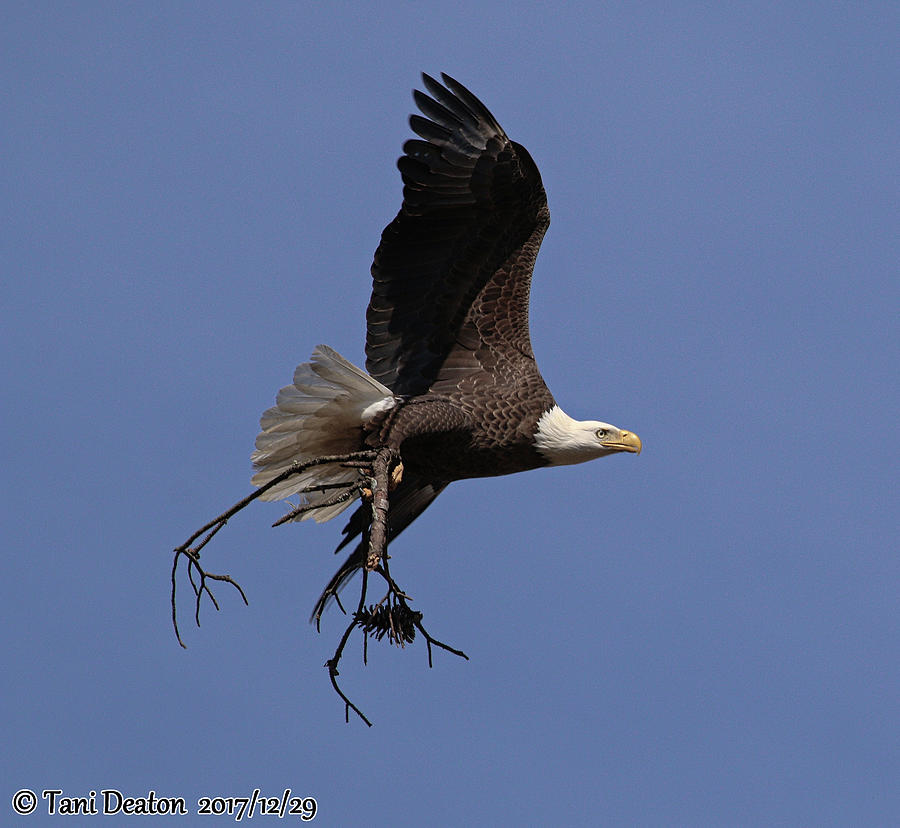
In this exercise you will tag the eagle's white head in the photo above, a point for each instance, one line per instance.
(562, 440)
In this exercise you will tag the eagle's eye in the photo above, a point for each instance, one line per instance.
(602, 433)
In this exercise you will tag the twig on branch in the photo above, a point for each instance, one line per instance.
(199, 589)
(391, 616)
(192, 553)
(341, 497)
(332, 663)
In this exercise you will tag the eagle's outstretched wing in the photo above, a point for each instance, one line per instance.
(453, 270)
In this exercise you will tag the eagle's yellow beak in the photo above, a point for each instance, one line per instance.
(626, 441)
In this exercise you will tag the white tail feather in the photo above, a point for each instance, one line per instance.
(321, 413)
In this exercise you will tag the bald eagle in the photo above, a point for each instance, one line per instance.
(451, 382)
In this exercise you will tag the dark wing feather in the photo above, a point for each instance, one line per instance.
(407, 502)
(473, 205)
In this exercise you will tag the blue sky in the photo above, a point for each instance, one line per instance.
(706, 634)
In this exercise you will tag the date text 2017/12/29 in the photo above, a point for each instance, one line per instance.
(246, 806)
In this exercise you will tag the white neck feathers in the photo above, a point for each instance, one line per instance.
(563, 440)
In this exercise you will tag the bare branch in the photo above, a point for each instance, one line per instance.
(380, 484)
(332, 663)
(193, 552)
(391, 617)
(295, 468)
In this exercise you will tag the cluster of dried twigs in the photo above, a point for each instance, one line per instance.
(391, 616)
